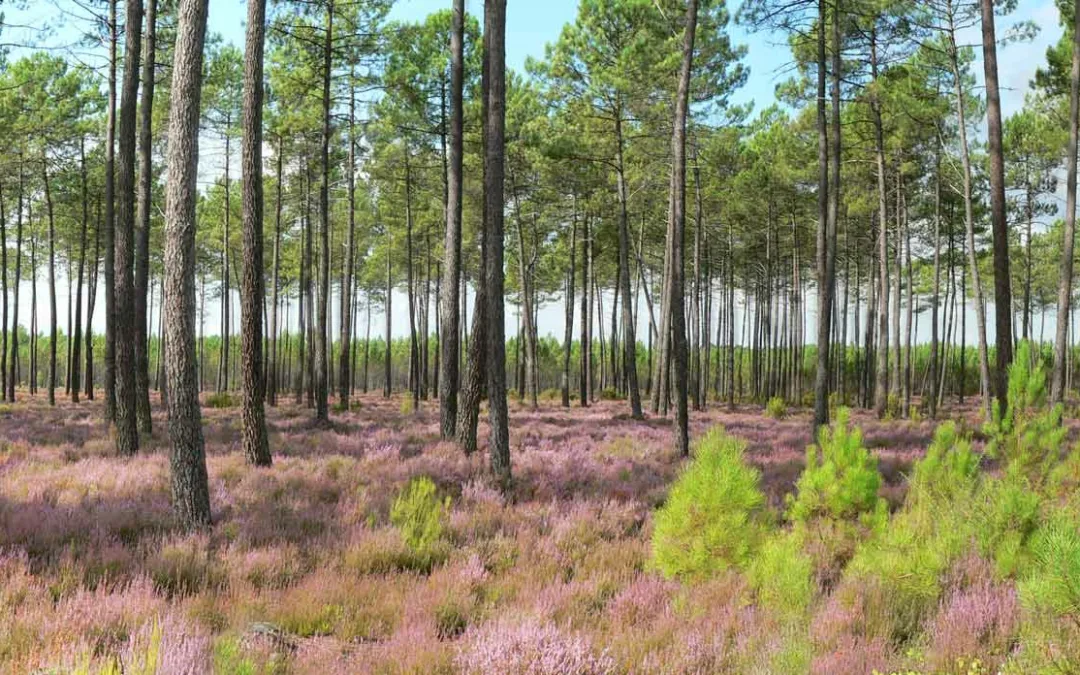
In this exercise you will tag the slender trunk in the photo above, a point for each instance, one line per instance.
(52, 281)
(1064, 303)
(677, 233)
(322, 367)
(190, 492)
(110, 224)
(969, 221)
(127, 432)
(344, 361)
(252, 290)
(272, 374)
(450, 317)
(629, 339)
(13, 375)
(494, 156)
(76, 333)
(142, 227)
(387, 372)
(568, 336)
(1002, 282)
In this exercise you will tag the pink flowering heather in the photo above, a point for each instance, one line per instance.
(530, 648)
(976, 622)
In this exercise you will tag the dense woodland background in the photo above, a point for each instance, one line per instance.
(701, 254)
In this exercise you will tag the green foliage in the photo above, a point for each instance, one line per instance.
(782, 575)
(714, 515)
(451, 618)
(841, 478)
(1008, 513)
(1054, 584)
(1028, 435)
(420, 514)
(949, 468)
(776, 408)
(892, 408)
(220, 400)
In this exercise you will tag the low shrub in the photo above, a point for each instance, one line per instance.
(781, 575)
(715, 513)
(841, 478)
(1029, 434)
(420, 514)
(221, 399)
(776, 408)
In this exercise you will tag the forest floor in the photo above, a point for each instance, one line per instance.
(303, 571)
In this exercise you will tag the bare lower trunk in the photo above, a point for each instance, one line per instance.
(1064, 307)
(252, 291)
(190, 491)
(142, 227)
(127, 432)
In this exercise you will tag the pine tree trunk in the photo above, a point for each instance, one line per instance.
(450, 315)
(676, 231)
(142, 228)
(387, 371)
(110, 224)
(252, 289)
(969, 221)
(1064, 303)
(127, 433)
(272, 373)
(52, 281)
(568, 337)
(76, 334)
(345, 322)
(322, 361)
(190, 491)
(13, 371)
(1000, 226)
(494, 137)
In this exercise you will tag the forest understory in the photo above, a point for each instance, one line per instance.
(336, 559)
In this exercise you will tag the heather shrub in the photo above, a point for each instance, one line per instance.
(975, 625)
(1028, 435)
(221, 399)
(185, 567)
(776, 408)
(420, 514)
(530, 648)
(551, 394)
(451, 617)
(610, 394)
(782, 575)
(714, 515)
(841, 478)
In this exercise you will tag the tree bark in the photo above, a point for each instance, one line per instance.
(677, 231)
(322, 363)
(969, 221)
(142, 228)
(52, 280)
(190, 491)
(1000, 226)
(127, 432)
(252, 290)
(1064, 302)
(110, 224)
(345, 360)
(450, 316)
(494, 135)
